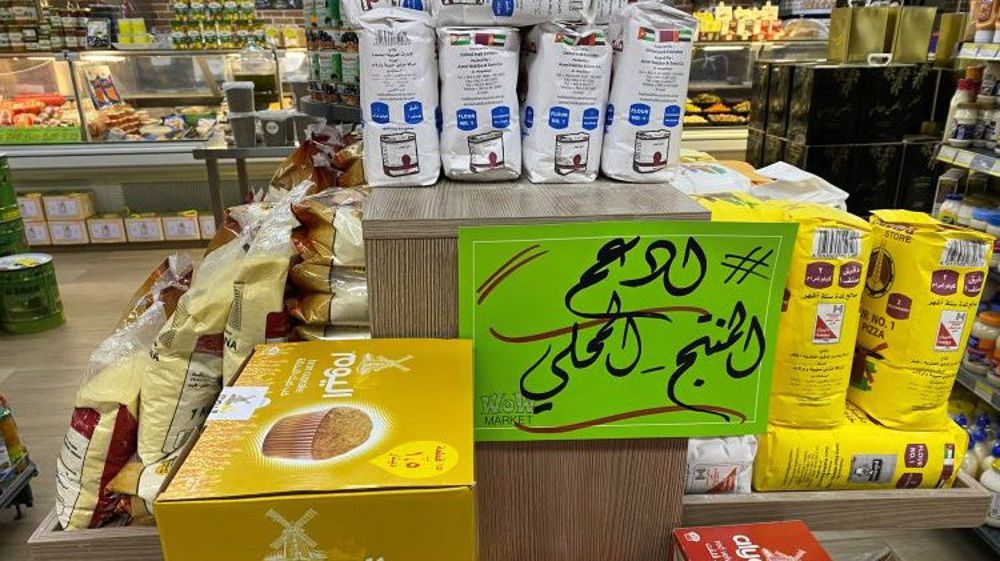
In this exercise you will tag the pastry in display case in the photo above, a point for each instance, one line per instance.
(37, 101)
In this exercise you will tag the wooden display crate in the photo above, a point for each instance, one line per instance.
(963, 506)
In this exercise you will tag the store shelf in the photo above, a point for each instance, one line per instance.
(979, 159)
(101, 155)
(17, 484)
(963, 506)
(134, 543)
(979, 51)
(991, 536)
(242, 153)
(978, 385)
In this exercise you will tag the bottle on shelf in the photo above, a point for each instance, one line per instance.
(991, 480)
(970, 463)
(987, 462)
(964, 94)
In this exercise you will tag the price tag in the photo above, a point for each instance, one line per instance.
(981, 162)
(968, 50)
(947, 154)
(988, 51)
(963, 158)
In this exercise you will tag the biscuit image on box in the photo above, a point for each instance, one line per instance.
(320, 435)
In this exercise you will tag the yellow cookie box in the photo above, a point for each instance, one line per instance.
(923, 286)
(332, 450)
(819, 312)
(858, 454)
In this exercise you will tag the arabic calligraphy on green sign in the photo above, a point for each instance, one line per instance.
(622, 329)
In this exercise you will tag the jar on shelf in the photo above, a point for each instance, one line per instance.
(962, 134)
(981, 217)
(948, 213)
(979, 351)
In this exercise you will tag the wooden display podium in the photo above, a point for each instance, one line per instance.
(591, 500)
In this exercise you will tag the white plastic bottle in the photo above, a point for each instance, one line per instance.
(963, 94)
(970, 464)
(987, 462)
(981, 448)
(991, 480)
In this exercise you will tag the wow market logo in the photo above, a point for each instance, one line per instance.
(506, 409)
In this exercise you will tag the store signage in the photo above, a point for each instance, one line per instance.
(622, 329)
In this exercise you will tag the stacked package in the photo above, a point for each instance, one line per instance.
(816, 438)
(581, 108)
(332, 298)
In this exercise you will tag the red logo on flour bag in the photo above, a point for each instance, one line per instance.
(211, 344)
(819, 274)
(898, 306)
(950, 327)
(749, 542)
(277, 328)
(850, 274)
(973, 283)
(944, 282)
(909, 481)
(829, 318)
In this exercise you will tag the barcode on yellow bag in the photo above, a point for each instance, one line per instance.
(836, 243)
(964, 253)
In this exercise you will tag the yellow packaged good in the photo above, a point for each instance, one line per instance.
(819, 313)
(921, 293)
(332, 450)
(858, 454)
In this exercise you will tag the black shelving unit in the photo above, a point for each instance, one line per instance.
(17, 490)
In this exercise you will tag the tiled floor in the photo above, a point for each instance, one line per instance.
(40, 374)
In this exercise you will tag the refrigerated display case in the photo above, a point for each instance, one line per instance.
(38, 103)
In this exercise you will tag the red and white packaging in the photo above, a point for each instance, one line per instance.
(774, 541)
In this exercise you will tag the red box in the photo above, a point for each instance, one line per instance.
(775, 541)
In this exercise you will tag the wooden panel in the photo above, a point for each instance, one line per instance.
(963, 506)
(438, 211)
(413, 287)
(598, 500)
(129, 543)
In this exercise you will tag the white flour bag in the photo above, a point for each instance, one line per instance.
(652, 60)
(481, 135)
(568, 71)
(352, 10)
(601, 12)
(399, 98)
(507, 12)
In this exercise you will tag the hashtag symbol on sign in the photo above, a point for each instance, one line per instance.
(746, 264)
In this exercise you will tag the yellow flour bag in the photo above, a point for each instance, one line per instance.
(858, 454)
(921, 293)
(819, 312)
(325, 278)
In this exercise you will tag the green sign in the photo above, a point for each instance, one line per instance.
(39, 135)
(622, 329)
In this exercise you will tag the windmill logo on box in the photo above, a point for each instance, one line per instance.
(293, 544)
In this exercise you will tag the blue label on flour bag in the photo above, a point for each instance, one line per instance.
(609, 117)
(466, 119)
(558, 118)
(671, 115)
(638, 114)
(529, 117)
(413, 4)
(413, 112)
(380, 112)
(591, 117)
(438, 119)
(503, 8)
(501, 117)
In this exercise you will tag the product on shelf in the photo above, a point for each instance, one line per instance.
(37, 233)
(68, 205)
(274, 125)
(820, 313)
(568, 73)
(347, 305)
(13, 453)
(528, 12)
(481, 134)
(331, 228)
(31, 207)
(257, 313)
(108, 227)
(720, 465)
(143, 227)
(29, 295)
(771, 541)
(13, 239)
(923, 285)
(180, 226)
(214, 25)
(726, 23)
(69, 232)
(642, 140)
(859, 454)
(318, 277)
(392, 417)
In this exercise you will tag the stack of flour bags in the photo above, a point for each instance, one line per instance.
(558, 89)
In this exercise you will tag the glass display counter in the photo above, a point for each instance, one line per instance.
(38, 102)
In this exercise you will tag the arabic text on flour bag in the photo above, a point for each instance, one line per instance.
(652, 62)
